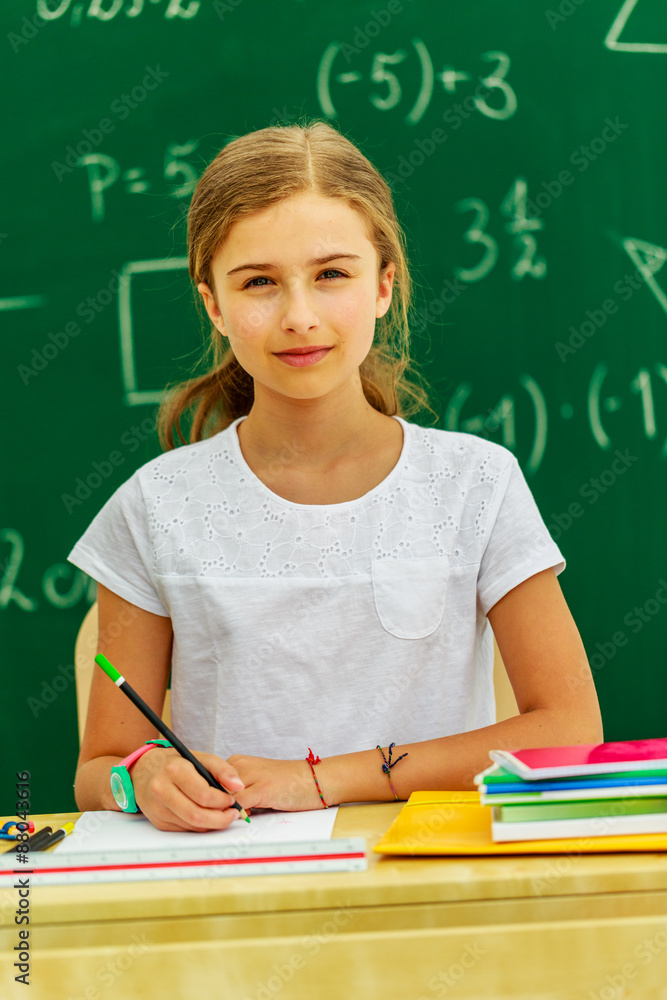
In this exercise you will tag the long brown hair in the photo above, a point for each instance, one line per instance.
(251, 173)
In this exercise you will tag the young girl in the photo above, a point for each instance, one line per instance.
(320, 575)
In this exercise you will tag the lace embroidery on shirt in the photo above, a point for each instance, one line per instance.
(207, 517)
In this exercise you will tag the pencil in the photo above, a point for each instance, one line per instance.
(121, 683)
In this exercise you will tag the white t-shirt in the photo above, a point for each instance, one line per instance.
(336, 627)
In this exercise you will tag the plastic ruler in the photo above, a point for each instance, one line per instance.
(61, 868)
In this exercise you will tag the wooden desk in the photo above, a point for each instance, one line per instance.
(541, 928)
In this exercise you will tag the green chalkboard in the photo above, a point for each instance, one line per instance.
(526, 149)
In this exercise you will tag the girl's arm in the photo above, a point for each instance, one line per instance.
(167, 788)
(552, 681)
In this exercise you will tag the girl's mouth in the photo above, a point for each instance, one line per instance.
(300, 357)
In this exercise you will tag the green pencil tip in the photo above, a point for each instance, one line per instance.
(247, 819)
(107, 667)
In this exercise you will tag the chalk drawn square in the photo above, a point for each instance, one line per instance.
(159, 329)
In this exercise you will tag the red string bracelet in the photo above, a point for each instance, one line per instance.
(312, 759)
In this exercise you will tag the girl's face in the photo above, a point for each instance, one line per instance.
(297, 293)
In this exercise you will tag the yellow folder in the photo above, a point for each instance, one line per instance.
(454, 823)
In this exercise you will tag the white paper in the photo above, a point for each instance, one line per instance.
(108, 830)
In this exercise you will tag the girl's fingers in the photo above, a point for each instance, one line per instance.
(224, 772)
(178, 807)
(175, 796)
(196, 789)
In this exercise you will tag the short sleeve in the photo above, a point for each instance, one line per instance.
(116, 549)
(519, 544)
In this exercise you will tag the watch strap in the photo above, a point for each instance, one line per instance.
(122, 788)
(148, 745)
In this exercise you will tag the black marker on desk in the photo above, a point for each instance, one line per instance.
(33, 843)
(121, 683)
(56, 837)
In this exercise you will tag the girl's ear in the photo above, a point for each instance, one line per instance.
(385, 285)
(211, 307)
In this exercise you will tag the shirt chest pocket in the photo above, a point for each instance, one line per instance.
(410, 594)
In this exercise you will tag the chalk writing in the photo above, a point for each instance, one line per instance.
(108, 10)
(498, 101)
(77, 585)
(518, 225)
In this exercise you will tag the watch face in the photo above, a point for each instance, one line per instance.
(118, 790)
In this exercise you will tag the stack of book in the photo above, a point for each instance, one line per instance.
(595, 790)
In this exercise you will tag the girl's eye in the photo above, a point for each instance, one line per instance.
(331, 270)
(252, 281)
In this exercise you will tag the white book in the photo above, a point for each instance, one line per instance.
(595, 826)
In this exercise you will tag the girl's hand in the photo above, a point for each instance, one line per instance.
(276, 784)
(173, 796)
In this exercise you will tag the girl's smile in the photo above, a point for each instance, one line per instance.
(299, 357)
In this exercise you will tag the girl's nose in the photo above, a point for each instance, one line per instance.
(299, 314)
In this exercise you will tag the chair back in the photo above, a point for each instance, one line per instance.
(506, 706)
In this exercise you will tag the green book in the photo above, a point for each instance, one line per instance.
(498, 775)
(652, 791)
(581, 809)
